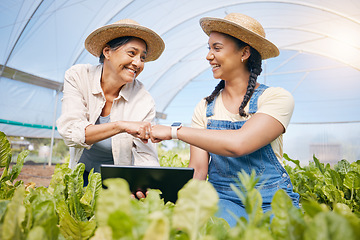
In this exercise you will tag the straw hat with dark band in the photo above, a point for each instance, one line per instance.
(97, 40)
(244, 28)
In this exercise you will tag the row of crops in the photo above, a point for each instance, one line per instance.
(330, 207)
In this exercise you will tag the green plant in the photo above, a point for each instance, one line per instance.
(8, 182)
(120, 217)
(67, 210)
(321, 183)
(175, 157)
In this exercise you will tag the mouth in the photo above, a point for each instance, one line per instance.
(215, 67)
(132, 71)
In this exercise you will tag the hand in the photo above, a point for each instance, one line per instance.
(159, 133)
(139, 129)
(139, 195)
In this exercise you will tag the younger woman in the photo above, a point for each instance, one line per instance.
(240, 125)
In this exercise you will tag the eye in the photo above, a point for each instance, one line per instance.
(131, 53)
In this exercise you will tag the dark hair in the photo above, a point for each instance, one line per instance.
(254, 67)
(115, 44)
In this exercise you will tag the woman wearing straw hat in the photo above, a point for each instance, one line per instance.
(105, 109)
(245, 119)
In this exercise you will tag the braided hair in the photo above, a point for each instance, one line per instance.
(254, 67)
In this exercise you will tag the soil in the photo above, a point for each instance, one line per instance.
(40, 174)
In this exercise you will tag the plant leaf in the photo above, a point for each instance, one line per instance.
(342, 167)
(72, 228)
(14, 216)
(329, 225)
(352, 180)
(16, 169)
(197, 202)
(159, 228)
(296, 162)
(116, 196)
(333, 194)
(319, 165)
(5, 150)
(91, 193)
(288, 222)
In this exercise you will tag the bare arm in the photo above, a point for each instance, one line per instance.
(96, 133)
(199, 160)
(260, 130)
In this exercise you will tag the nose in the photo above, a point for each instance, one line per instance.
(210, 56)
(137, 61)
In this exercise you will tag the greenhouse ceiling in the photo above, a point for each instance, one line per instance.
(319, 60)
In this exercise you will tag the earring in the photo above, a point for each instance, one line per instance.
(242, 60)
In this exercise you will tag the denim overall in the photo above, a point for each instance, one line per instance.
(223, 170)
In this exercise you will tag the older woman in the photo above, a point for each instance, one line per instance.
(105, 109)
(240, 125)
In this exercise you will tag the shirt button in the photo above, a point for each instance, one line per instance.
(284, 175)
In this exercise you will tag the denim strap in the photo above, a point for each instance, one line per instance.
(210, 108)
(253, 106)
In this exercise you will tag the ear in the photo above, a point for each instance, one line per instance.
(106, 51)
(246, 52)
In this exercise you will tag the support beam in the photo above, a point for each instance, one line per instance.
(21, 76)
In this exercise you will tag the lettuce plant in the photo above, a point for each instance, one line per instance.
(324, 184)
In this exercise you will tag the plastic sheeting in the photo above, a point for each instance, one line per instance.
(319, 59)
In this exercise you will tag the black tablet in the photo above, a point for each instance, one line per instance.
(169, 180)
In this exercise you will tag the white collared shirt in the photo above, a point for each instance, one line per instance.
(82, 104)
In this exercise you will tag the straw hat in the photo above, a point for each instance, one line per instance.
(97, 40)
(244, 28)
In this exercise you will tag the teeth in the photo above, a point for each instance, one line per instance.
(214, 66)
(131, 70)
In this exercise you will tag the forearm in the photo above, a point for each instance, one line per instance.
(199, 160)
(221, 142)
(96, 133)
(257, 132)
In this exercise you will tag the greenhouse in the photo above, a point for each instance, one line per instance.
(318, 194)
(318, 63)
(319, 44)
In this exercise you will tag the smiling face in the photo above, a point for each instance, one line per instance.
(127, 61)
(224, 56)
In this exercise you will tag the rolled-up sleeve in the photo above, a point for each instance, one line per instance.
(74, 117)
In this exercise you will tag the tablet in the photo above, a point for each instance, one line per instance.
(169, 180)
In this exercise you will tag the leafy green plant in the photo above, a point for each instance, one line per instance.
(67, 210)
(172, 159)
(120, 217)
(175, 157)
(321, 183)
(65, 207)
(314, 221)
(75, 204)
(9, 175)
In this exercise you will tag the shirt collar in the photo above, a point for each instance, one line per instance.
(96, 89)
(125, 91)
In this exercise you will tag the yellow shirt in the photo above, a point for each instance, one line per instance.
(275, 101)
